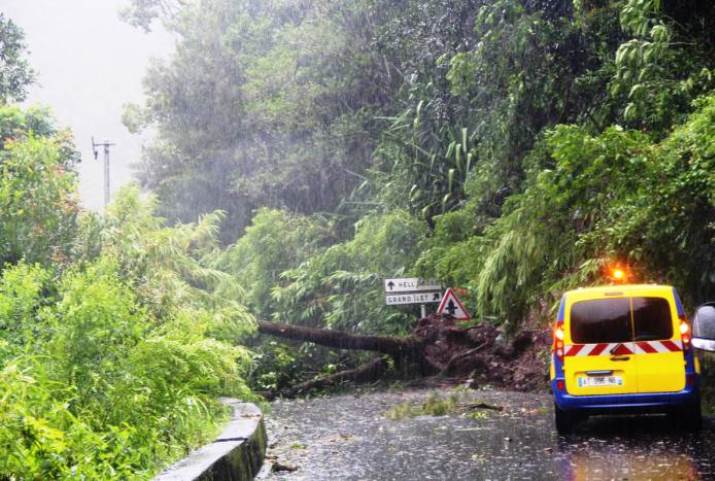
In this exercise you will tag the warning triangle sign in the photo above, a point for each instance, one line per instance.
(452, 306)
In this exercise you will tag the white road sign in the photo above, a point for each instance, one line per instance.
(411, 284)
(413, 298)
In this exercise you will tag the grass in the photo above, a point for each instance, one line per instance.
(438, 405)
(434, 405)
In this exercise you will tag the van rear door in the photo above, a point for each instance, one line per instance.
(599, 353)
(658, 348)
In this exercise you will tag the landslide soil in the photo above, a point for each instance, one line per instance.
(485, 355)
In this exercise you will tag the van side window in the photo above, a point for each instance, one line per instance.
(601, 320)
(652, 318)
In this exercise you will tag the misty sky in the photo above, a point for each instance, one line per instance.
(88, 63)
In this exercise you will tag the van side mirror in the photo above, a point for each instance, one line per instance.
(704, 327)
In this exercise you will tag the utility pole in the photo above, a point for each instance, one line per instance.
(95, 149)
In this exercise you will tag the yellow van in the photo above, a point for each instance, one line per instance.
(623, 349)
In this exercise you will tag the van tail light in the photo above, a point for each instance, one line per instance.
(685, 334)
(558, 346)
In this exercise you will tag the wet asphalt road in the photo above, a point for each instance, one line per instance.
(349, 437)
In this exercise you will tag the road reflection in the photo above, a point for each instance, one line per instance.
(633, 448)
(657, 467)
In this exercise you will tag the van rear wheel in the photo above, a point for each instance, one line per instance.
(564, 420)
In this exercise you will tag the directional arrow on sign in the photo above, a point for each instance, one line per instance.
(451, 307)
(396, 299)
(411, 284)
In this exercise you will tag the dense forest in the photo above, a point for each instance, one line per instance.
(514, 148)
(304, 150)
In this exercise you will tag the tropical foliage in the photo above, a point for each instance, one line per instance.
(513, 146)
(306, 150)
(15, 73)
(116, 333)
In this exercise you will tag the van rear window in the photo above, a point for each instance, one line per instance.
(609, 320)
(652, 318)
(601, 320)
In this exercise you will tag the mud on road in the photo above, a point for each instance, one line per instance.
(351, 437)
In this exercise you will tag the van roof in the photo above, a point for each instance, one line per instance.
(620, 290)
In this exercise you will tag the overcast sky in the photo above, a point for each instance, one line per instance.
(88, 63)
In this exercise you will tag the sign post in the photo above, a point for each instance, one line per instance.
(412, 290)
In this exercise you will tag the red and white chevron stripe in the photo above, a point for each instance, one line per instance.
(622, 348)
(650, 347)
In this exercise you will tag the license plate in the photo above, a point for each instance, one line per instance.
(594, 381)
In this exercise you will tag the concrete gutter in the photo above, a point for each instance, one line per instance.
(236, 455)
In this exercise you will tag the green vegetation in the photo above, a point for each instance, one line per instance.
(15, 73)
(434, 405)
(511, 147)
(306, 150)
(117, 334)
(113, 339)
(457, 402)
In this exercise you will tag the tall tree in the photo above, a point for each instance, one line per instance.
(15, 73)
(38, 202)
(264, 104)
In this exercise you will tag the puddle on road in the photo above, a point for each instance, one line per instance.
(636, 448)
(349, 438)
(661, 467)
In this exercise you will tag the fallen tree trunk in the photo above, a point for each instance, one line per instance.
(391, 345)
(368, 372)
(436, 346)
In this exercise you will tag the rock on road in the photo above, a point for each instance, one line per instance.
(349, 437)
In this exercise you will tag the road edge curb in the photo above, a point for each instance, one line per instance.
(237, 454)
